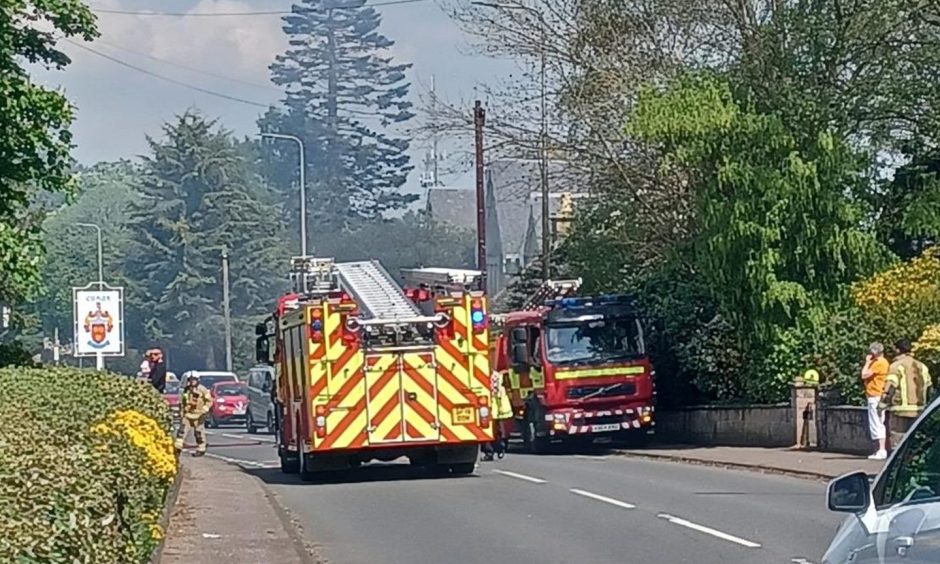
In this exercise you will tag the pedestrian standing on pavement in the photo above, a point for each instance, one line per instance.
(157, 370)
(194, 406)
(874, 374)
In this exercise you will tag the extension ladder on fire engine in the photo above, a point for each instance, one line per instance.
(551, 290)
(376, 292)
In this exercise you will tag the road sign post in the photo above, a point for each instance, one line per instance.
(99, 322)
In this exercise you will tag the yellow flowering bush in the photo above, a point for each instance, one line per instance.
(927, 347)
(85, 481)
(903, 300)
(147, 436)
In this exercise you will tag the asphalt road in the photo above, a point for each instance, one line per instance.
(567, 508)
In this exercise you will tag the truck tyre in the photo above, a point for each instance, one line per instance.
(463, 469)
(289, 465)
(306, 474)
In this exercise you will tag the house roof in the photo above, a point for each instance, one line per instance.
(517, 187)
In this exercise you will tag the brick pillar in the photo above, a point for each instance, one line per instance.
(803, 402)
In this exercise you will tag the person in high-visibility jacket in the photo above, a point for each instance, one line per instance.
(195, 403)
(502, 417)
(907, 384)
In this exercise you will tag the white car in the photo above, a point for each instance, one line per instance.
(897, 519)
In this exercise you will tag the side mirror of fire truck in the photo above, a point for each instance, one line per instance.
(263, 350)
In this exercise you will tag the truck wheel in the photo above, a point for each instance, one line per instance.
(463, 469)
(306, 474)
(289, 465)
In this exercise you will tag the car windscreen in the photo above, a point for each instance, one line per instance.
(597, 340)
(230, 390)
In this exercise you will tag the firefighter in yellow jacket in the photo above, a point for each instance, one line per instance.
(195, 404)
(907, 384)
(502, 416)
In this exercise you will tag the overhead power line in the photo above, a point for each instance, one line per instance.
(229, 14)
(267, 86)
(167, 78)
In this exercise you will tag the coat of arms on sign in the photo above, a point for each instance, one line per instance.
(98, 324)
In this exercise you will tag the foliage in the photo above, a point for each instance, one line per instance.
(909, 204)
(79, 483)
(13, 353)
(35, 144)
(905, 299)
(927, 348)
(342, 94)
(199, 197)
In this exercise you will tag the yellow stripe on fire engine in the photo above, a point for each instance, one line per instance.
(455, 381)
(383, 403)
(598, 372)
(421, 398)
(346, 417)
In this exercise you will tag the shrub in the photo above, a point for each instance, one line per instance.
(85, 463)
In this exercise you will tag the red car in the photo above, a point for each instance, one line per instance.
(172, 396)
(229, 404)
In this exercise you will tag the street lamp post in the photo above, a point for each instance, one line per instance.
(99, 357)
(543, 133)
(100, 254)
(303, 188)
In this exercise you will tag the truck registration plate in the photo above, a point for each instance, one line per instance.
(463, 415)
(604, 428)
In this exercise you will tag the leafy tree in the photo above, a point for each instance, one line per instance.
(35, 143)
(342, 92)
(199, 197)
(775, 227)
(104, 196)
(909, 205)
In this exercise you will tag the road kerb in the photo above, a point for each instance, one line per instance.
(751, 467)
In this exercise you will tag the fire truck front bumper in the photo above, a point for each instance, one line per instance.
(599, 422)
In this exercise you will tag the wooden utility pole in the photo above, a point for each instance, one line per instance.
(226, 311)
(479, 120)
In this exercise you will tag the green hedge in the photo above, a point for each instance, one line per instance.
(85, 464)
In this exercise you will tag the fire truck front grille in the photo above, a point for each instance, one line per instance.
(625, 389)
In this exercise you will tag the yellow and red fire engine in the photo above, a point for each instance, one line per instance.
(363, 374)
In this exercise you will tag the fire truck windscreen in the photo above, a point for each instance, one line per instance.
(596, 341)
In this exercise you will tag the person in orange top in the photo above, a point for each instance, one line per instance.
(874, 374)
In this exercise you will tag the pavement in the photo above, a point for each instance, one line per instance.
(599, 507)
(796, 462)
(223, 514)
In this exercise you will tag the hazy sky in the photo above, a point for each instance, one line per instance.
(118, 105)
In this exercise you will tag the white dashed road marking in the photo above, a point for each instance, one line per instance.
(708, 531)
(605, 499)
(590, 457)
(520, 476)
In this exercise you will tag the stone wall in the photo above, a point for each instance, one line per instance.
(746, 425)
(843, 428)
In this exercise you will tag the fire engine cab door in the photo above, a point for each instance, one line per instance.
(401, 398)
